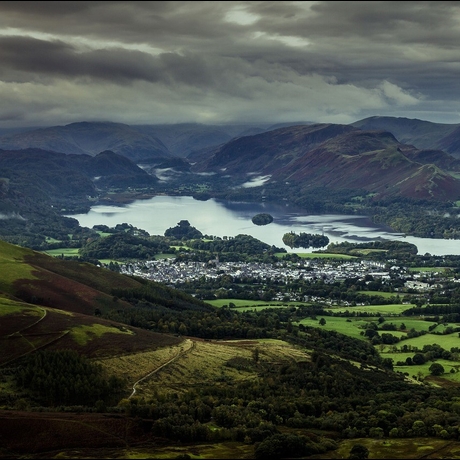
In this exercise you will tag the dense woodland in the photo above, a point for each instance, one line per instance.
(65, 378)
(305, 240)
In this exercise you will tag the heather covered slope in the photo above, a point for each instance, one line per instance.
(264, 153)
(338, 157)
(76, 286)
(184, 138)
(421, 134)
(436, 157)
(48, 302)
(386, 171)
(360, 155)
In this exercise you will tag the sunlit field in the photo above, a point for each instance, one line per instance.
(69, 252)
(391, 309)
(243, 305)
(351, 327)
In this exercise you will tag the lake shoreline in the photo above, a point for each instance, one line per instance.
(229, 218)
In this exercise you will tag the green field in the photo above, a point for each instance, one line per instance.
(83, 333)
(49, 239)
(164, 256)
(391, 309)
(447, 341)
(385, 295)
(410, 323)
(69, 252)
(243, 305)
(365, 252)
(352, 327)
(423, 370)
(74, 252)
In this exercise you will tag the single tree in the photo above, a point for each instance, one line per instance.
(436, 369)
(358, 451)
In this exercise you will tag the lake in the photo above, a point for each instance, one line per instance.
(227, 218)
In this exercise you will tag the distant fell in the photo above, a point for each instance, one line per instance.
(185, 139)
(60, 175)
(266, 152)
(419, 133)
(338, 157)
(89, 138)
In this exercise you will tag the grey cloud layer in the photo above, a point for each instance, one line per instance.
(157, 62)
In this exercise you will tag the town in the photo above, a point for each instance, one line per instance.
(388, 277)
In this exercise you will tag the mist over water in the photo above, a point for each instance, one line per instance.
(225, 218)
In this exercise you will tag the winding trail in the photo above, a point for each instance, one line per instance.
(185, 348)
(30, 325)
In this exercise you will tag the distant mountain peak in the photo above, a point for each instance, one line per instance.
(336, 156)
(90, 138)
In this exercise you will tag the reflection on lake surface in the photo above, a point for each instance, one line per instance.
(226, 218)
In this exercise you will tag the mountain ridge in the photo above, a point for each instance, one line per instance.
(317, 154)
(336, 156)
(420, 133)
(89, 138)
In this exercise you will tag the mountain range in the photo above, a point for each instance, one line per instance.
(140, 142)
(384, 155)
(420, 133)
(338, 157)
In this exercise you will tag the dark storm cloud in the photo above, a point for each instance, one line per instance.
(31, 58)
(397, 21)
(232, 60)
(127, 21)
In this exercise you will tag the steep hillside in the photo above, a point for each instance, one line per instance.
(436, 157)
(59, 283)
(137, 142)
(184, 139)
(61, 175)
(89, 138)
(374, 161)
(54, 303)
(265, 153)
(36, 186)
(422, 134)
(337, 157)
(451, 142)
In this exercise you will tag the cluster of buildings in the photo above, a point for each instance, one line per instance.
(169, 271)
(174, 272)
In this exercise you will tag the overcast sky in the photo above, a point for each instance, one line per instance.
(224, 62)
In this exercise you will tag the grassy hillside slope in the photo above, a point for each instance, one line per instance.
(49, 302)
